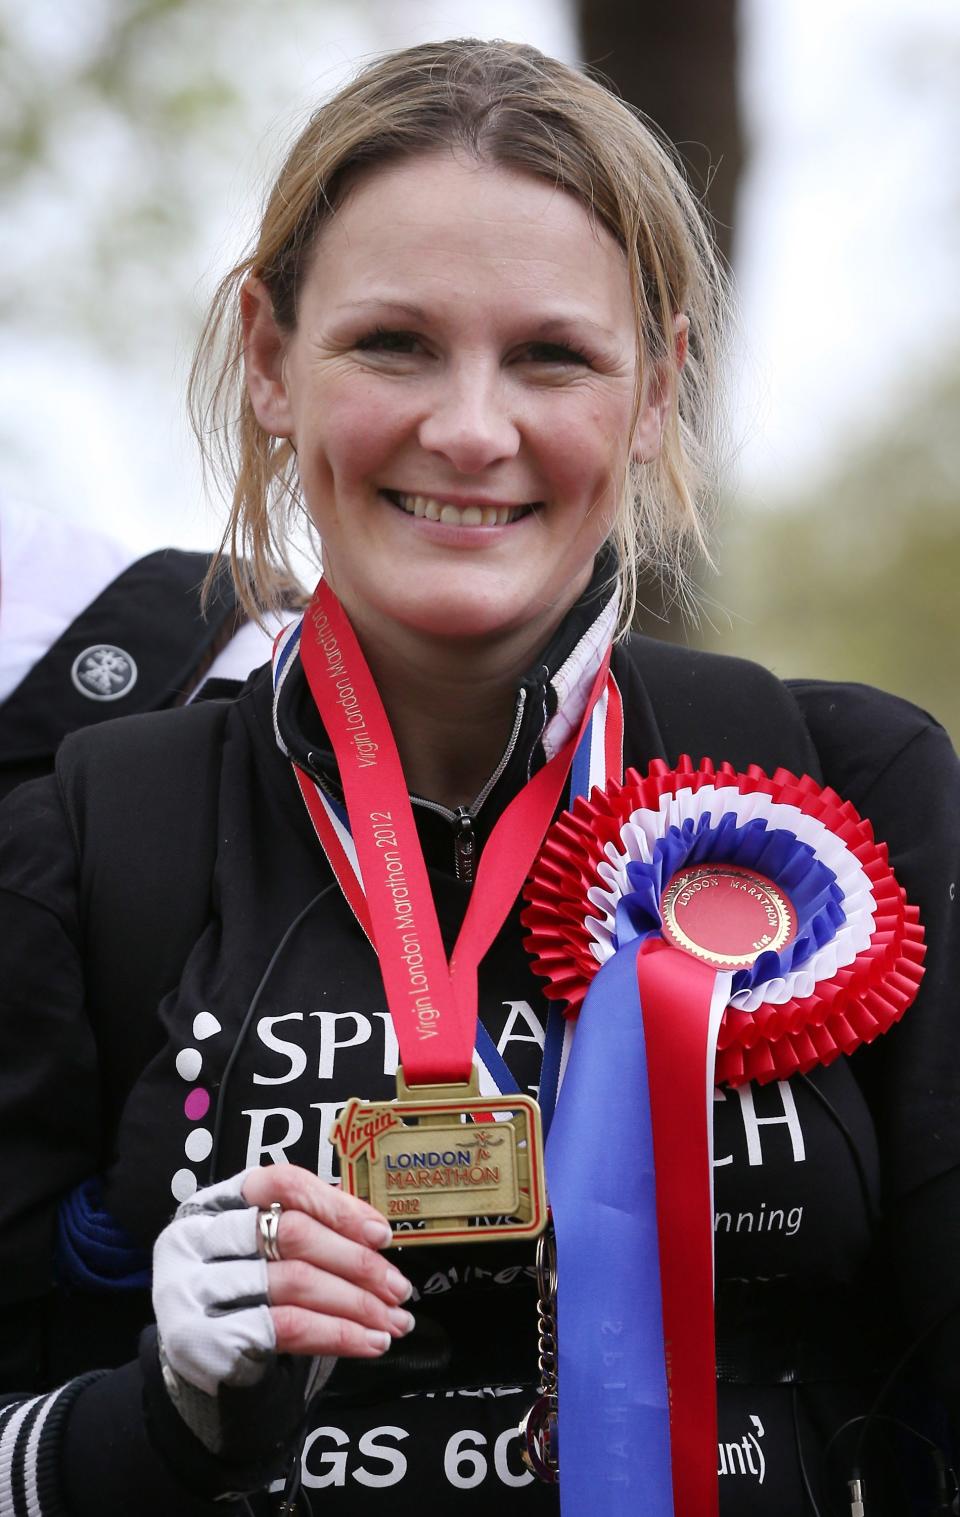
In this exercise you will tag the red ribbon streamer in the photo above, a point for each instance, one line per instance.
(676, 991)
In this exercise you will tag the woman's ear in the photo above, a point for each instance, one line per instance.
(658, 396)
(264, 346)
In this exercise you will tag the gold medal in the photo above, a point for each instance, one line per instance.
(458, 1166)
(726, 915)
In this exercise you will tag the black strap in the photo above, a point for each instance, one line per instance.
(142, 797)
(136, 648)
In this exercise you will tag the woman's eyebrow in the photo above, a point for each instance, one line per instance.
(557, 326)
(381, 302)
(545, 327)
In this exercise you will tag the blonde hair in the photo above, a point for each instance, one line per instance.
(510, 106)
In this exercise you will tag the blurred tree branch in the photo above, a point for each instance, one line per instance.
(678, 65)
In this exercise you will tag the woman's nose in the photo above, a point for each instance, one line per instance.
(470, 423)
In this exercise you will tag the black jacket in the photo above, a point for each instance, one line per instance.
(123, 990)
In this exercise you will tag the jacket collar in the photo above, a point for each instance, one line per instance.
(550, 697)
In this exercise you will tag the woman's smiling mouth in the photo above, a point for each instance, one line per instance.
(431, 509)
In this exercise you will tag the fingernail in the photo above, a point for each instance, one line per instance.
(398, 1285)
(377, 1234)
(378, 1341)
(402, 1321)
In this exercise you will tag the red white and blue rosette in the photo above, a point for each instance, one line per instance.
(704, 926)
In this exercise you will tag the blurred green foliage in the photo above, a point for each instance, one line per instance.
(127, 132)
(861, 580)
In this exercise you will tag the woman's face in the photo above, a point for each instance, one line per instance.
(459, 391)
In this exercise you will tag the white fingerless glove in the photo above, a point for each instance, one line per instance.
(214, 1325)
(210, 1291)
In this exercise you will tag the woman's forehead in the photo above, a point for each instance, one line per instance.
(442, 226)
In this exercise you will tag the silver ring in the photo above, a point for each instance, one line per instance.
(268, 1224)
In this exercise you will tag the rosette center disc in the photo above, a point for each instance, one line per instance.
(726, 915)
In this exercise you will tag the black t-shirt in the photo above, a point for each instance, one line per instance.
(801, 1167)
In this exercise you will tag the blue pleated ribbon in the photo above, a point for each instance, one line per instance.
(773, 851)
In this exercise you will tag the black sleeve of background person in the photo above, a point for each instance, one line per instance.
(152, 611)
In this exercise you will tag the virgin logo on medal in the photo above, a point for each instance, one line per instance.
(358, 1128)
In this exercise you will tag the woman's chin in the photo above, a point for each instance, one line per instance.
(454, 618)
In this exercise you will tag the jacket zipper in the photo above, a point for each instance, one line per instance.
(464, 843)
(463, 818)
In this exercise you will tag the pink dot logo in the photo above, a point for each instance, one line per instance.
(197, 1104)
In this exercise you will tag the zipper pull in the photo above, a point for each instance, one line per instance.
(464, 844)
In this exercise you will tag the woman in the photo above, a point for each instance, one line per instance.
(478, 339)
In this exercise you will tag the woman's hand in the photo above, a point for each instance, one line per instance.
(224, 1312)
(332, 1292)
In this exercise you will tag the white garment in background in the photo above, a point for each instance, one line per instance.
(246, 650)
(51, 569)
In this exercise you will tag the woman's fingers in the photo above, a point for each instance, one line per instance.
(299, 1190)
(295, 1283)
(301, 1237)
(300, 1331)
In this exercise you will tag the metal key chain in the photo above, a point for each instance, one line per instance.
(539, 1441)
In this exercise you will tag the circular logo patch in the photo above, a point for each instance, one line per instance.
(726, 915)
(104, 672)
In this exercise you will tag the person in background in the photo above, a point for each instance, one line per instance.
(90, 631)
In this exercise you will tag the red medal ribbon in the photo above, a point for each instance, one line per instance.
(433, 1004)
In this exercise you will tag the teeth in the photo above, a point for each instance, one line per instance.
(455, 516)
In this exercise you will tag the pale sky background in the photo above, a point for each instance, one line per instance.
(847, 250)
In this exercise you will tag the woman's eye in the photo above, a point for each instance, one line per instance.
(554, 352)
(384, 341)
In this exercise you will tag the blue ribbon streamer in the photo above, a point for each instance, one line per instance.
(615, 1421)
(615, 1425)
(612, 1381)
